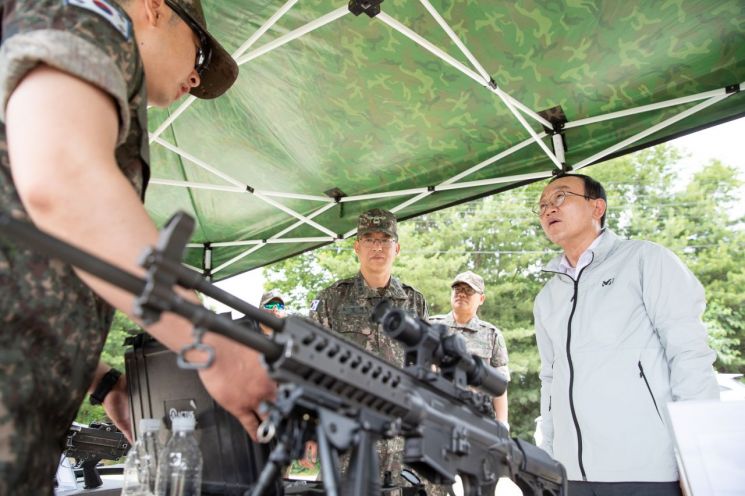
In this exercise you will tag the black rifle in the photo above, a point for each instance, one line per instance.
(89, 445)
(335, 392)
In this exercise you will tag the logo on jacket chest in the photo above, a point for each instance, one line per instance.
(607, 282)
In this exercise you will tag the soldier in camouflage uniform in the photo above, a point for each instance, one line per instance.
(75, 80)
(346, 305)
(482, 338)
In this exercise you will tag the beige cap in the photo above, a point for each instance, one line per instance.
(472, 279)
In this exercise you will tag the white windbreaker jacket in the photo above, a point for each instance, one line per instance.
(617, 344)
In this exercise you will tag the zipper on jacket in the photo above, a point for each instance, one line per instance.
(573, 300)
(644, 376)
(571, 375)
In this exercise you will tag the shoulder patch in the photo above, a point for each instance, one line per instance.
(109, 12)
(314, 305)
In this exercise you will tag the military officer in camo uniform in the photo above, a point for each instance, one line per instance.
(482, 338)
(76, 77)
(346, 305)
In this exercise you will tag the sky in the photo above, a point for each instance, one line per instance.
(725, 142)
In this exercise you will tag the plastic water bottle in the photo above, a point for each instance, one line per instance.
(180, 464)
(141, 463)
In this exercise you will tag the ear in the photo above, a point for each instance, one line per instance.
(398, 249)
(481, 300)
(154, 11)
(600, 207)
(357, 247)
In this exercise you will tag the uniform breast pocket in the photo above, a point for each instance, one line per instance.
(353, 319)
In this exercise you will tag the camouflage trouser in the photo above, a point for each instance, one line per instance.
(50, 342)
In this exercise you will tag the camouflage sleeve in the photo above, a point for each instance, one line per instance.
(97, 47)
(319, 310)
(421, 308)
(499, 358)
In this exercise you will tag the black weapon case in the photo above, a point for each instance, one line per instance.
(158, 388)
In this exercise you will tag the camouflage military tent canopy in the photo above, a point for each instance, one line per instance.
(425, 105)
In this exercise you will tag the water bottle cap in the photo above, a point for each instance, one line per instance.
(183, 423)
(149, 425)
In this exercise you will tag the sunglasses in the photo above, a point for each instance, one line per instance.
(273, 305)
(204, 51)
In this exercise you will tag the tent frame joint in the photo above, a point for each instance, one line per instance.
(492, 83)
(732, 88)
(369, 7)
(250, 189)
(565, 169)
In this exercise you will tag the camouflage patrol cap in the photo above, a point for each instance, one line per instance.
(272, 295)
(219, 69)
(472, 279)
(377, 220)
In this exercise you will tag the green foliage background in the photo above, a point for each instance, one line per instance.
(499, 238)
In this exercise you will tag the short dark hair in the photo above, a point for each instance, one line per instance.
(593, 189)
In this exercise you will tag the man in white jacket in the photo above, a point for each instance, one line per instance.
(620, 335)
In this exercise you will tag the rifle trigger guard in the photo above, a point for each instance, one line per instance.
(198, 346)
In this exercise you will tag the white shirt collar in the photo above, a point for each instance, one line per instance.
(584, 259)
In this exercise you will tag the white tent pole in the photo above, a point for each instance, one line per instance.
(387, 194)
(410, 201)
(445, 26)
(200, 163)
(192, 185)
(238, 189)
(430, 47)
(299, 223)
(251, 242)
(245, 46)
(294, 34)
(296, 196)
(651, 130)
(223, 244)
(278, 235)
(171, 118)
(264, 28)
(468, 72)
(319, 239)
(474, 61)
(559, 147)
(295, 214)
(237, 183)
(489, 161)
(236, 258)
(645, 108)
(496, 180)
(505, 98)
